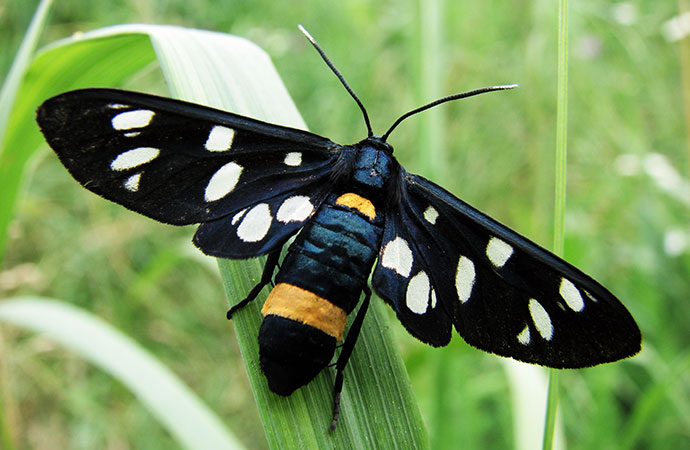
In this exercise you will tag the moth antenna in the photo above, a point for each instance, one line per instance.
(444, 100)
(340, 77)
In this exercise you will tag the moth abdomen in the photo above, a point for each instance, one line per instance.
(292, 353)
(320, 283)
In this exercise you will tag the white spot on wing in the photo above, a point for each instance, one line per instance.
(255, 224)
(132, 183)
(295, 209)
(571, 295)
(590, 296)
(238, 216)
(117, 106)
(498, 251)
(223, 182)
(541, 319)
(397, 256)
(430, 215)
(219, 139)
(138, 118)
(464, 278)
(417, 295)
(293, 159)
(524, 337)
(433, 299)
(133, 158)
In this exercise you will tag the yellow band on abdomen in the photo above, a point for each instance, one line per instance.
(361, 204)
(292, 302)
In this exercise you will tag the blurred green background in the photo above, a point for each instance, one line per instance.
(627, 219)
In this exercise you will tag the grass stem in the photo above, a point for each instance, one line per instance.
(560, 194)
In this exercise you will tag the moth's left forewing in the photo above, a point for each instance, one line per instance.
(178, 162)
(504, 293)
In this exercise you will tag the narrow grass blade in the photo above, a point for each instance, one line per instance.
(169, 399)
(560, 189)
(8, 95)
(528, 389)
(432, 135)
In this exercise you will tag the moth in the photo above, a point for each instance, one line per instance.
(252, 186)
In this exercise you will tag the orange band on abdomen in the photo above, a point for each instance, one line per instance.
(292, 302)
(361, 204)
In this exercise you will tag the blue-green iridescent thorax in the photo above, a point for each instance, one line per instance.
(374, 163)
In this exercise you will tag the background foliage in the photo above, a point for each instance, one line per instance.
(626, 222)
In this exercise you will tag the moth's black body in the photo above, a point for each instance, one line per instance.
(253, 185)
(332, 258)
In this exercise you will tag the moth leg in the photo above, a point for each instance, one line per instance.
(344, 356)
(273, 280)
(266, 277)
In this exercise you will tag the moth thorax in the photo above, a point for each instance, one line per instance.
(298, 336)
(372, 167)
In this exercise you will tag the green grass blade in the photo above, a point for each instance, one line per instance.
(8, 96)
(669, 392)
(434, 159)
(561, 130)
(167, 398)
(560, 191)
(70, 64)
(551, 409)
(433, 163)
(528, 390)
(8, 93)
(21, 62)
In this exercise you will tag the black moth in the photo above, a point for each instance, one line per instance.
(251, 185)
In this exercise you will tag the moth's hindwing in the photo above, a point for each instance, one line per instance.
(177, 162)
(443, 261)
(259, 228)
